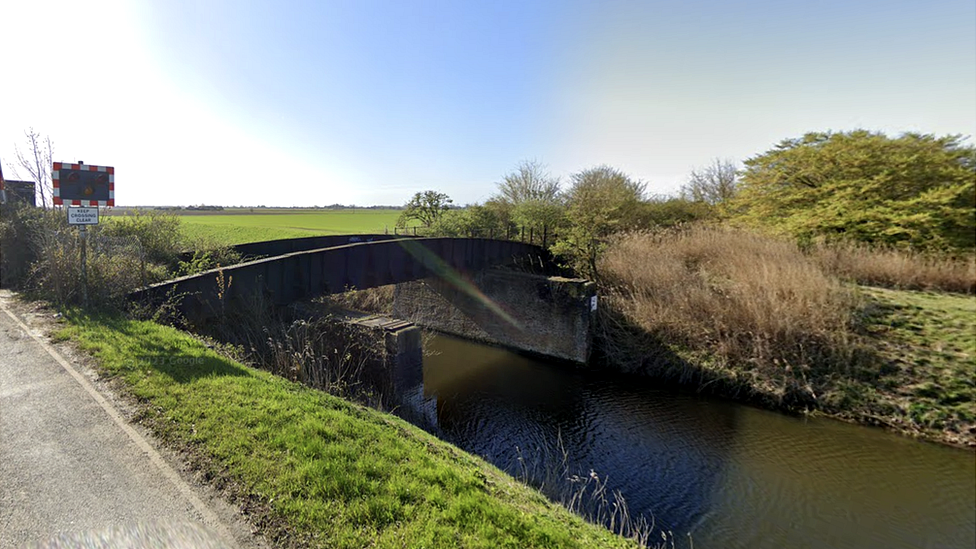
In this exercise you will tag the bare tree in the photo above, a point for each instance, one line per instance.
(529, 182)
(36, 161)
(712, 184)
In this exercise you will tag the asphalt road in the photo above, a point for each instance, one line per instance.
(74, 473)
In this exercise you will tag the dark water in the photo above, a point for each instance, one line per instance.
(731, 475)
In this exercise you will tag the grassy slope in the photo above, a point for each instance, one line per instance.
(238, 228)
(329, 473)
(927, 342)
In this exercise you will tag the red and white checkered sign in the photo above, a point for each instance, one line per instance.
(56, 172)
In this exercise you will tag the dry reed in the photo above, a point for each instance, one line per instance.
(587, 495)
(901, 269)
(377, 300)
(758, 314)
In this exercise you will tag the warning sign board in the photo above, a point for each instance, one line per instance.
(82, 215)
(83, 184)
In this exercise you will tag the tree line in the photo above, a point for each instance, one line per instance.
(913, 191)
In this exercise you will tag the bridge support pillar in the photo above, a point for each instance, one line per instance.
(403, 360)
(547, 316)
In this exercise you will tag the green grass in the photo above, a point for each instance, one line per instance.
(926, 343)
(242, 226)
(322, 471)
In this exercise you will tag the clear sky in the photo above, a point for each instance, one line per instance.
(360, 102)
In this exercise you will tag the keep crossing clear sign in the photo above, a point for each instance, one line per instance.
(82, 215)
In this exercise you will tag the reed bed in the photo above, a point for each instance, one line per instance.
(892, 268)
(756, 313)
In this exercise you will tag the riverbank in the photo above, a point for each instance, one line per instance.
(312, 470)
(926, 386)
(758, 320)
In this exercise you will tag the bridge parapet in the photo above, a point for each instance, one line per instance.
(296, 276)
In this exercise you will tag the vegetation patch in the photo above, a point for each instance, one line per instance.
(756, 318)
(913, 191)
(902, 269)
(927, 343)
(322, 471)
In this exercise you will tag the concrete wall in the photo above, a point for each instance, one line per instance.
(548, 316)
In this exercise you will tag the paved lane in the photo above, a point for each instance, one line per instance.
(73, 472)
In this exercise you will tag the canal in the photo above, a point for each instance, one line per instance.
(727, 474)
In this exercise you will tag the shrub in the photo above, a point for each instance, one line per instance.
(482, 221)
(670, 212)
(601, 201)
(115, 266)
(913, 191)
(158, 232)
(18, 251)
(42, 255)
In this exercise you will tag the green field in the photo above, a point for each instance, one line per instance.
(254, 225)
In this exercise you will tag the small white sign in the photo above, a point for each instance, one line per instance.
(593, 303)
(81, 215)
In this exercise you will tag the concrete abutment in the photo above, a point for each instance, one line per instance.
(546, 316)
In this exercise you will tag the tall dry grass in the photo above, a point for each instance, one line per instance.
(901, 269)
(588, 495)
(755, 313)
(377, 300)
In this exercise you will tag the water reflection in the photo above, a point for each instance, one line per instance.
(822, 483)
(664, 452)
(732, 475)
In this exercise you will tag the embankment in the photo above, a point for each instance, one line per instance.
(314, 470)
(757, 319)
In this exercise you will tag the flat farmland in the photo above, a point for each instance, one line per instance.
(239, 226)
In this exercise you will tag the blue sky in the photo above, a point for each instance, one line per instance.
(358, 102)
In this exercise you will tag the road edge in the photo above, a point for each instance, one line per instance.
(209, 517)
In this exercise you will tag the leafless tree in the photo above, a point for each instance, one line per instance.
(529, 182)
(36, 161)
(712, 184)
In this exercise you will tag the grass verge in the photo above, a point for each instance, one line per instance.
(927, 344)
(320, 471)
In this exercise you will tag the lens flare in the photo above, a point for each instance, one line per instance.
(440, 268)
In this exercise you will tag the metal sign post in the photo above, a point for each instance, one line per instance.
(84, 265)
(83, 216)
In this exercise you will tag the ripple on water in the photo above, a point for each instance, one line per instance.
(732, 475)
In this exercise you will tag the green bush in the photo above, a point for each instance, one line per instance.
(18, 250)
(482, 221)
(600, 202)
(911, 192)
(670, 212)
(158, 232)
